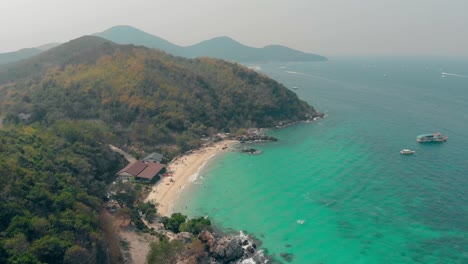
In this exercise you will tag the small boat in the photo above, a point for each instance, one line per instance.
(407, 151)
(435, 137)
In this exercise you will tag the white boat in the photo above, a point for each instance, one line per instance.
(407, 151)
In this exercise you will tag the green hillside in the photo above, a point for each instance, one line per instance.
(149, 97)
(83, 50)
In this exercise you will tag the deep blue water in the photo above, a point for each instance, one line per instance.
(337, 190)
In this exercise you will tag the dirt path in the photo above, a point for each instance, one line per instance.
(135, 245)
(127, 156)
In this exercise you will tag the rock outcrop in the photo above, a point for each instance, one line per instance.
(251, 151)
(227, 249)
(207, 238)
(249, 138)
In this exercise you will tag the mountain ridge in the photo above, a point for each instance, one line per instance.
(25, 53)
(57, 56)
(222, 47)
(214, 47)
(9, 57)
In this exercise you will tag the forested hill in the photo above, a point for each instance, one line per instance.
(84, 50)
(63, 107)
(148, 96)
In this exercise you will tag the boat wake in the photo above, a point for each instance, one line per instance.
(300, 73)
(453, 74)
(313, 76)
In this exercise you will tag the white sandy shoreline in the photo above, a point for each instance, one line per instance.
(185, 169)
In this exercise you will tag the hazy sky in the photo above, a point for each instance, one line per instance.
(328, 27)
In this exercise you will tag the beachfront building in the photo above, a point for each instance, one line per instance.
(153, 157)
(140, 171)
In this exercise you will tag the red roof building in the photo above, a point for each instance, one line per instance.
(141, 170)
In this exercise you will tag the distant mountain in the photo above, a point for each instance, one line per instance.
(229, 49)
(18, 55)
(131, 35)
(22, 54)
(149, 97)
(220, 47)
(48, 46)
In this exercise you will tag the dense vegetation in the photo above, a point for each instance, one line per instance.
(149, 97)
(51, 194)
(179, 223)
(63, 107)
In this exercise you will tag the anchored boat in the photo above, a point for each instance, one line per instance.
(435, 137)
(407, 151)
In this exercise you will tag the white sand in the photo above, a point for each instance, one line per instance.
(184, 171)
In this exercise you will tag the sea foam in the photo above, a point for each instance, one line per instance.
(194, 176)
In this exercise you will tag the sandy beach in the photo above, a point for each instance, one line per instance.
(184, 170)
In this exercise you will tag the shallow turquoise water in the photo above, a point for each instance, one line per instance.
(337, 190)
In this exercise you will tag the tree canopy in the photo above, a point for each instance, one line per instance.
(51, 193)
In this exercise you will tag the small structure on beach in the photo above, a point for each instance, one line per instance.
(154, 157)
(140, 170)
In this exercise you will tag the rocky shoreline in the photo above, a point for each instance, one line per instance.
(256, 138)
(216, 246)
(220, 248)
(308, 120)
(232, 249)
(258, 134)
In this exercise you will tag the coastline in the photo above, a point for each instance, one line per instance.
(184, 170)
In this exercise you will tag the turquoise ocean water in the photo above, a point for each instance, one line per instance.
(337, 190)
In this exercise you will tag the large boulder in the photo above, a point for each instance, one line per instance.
(224, 249)
(227, 250)
(207, 238)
